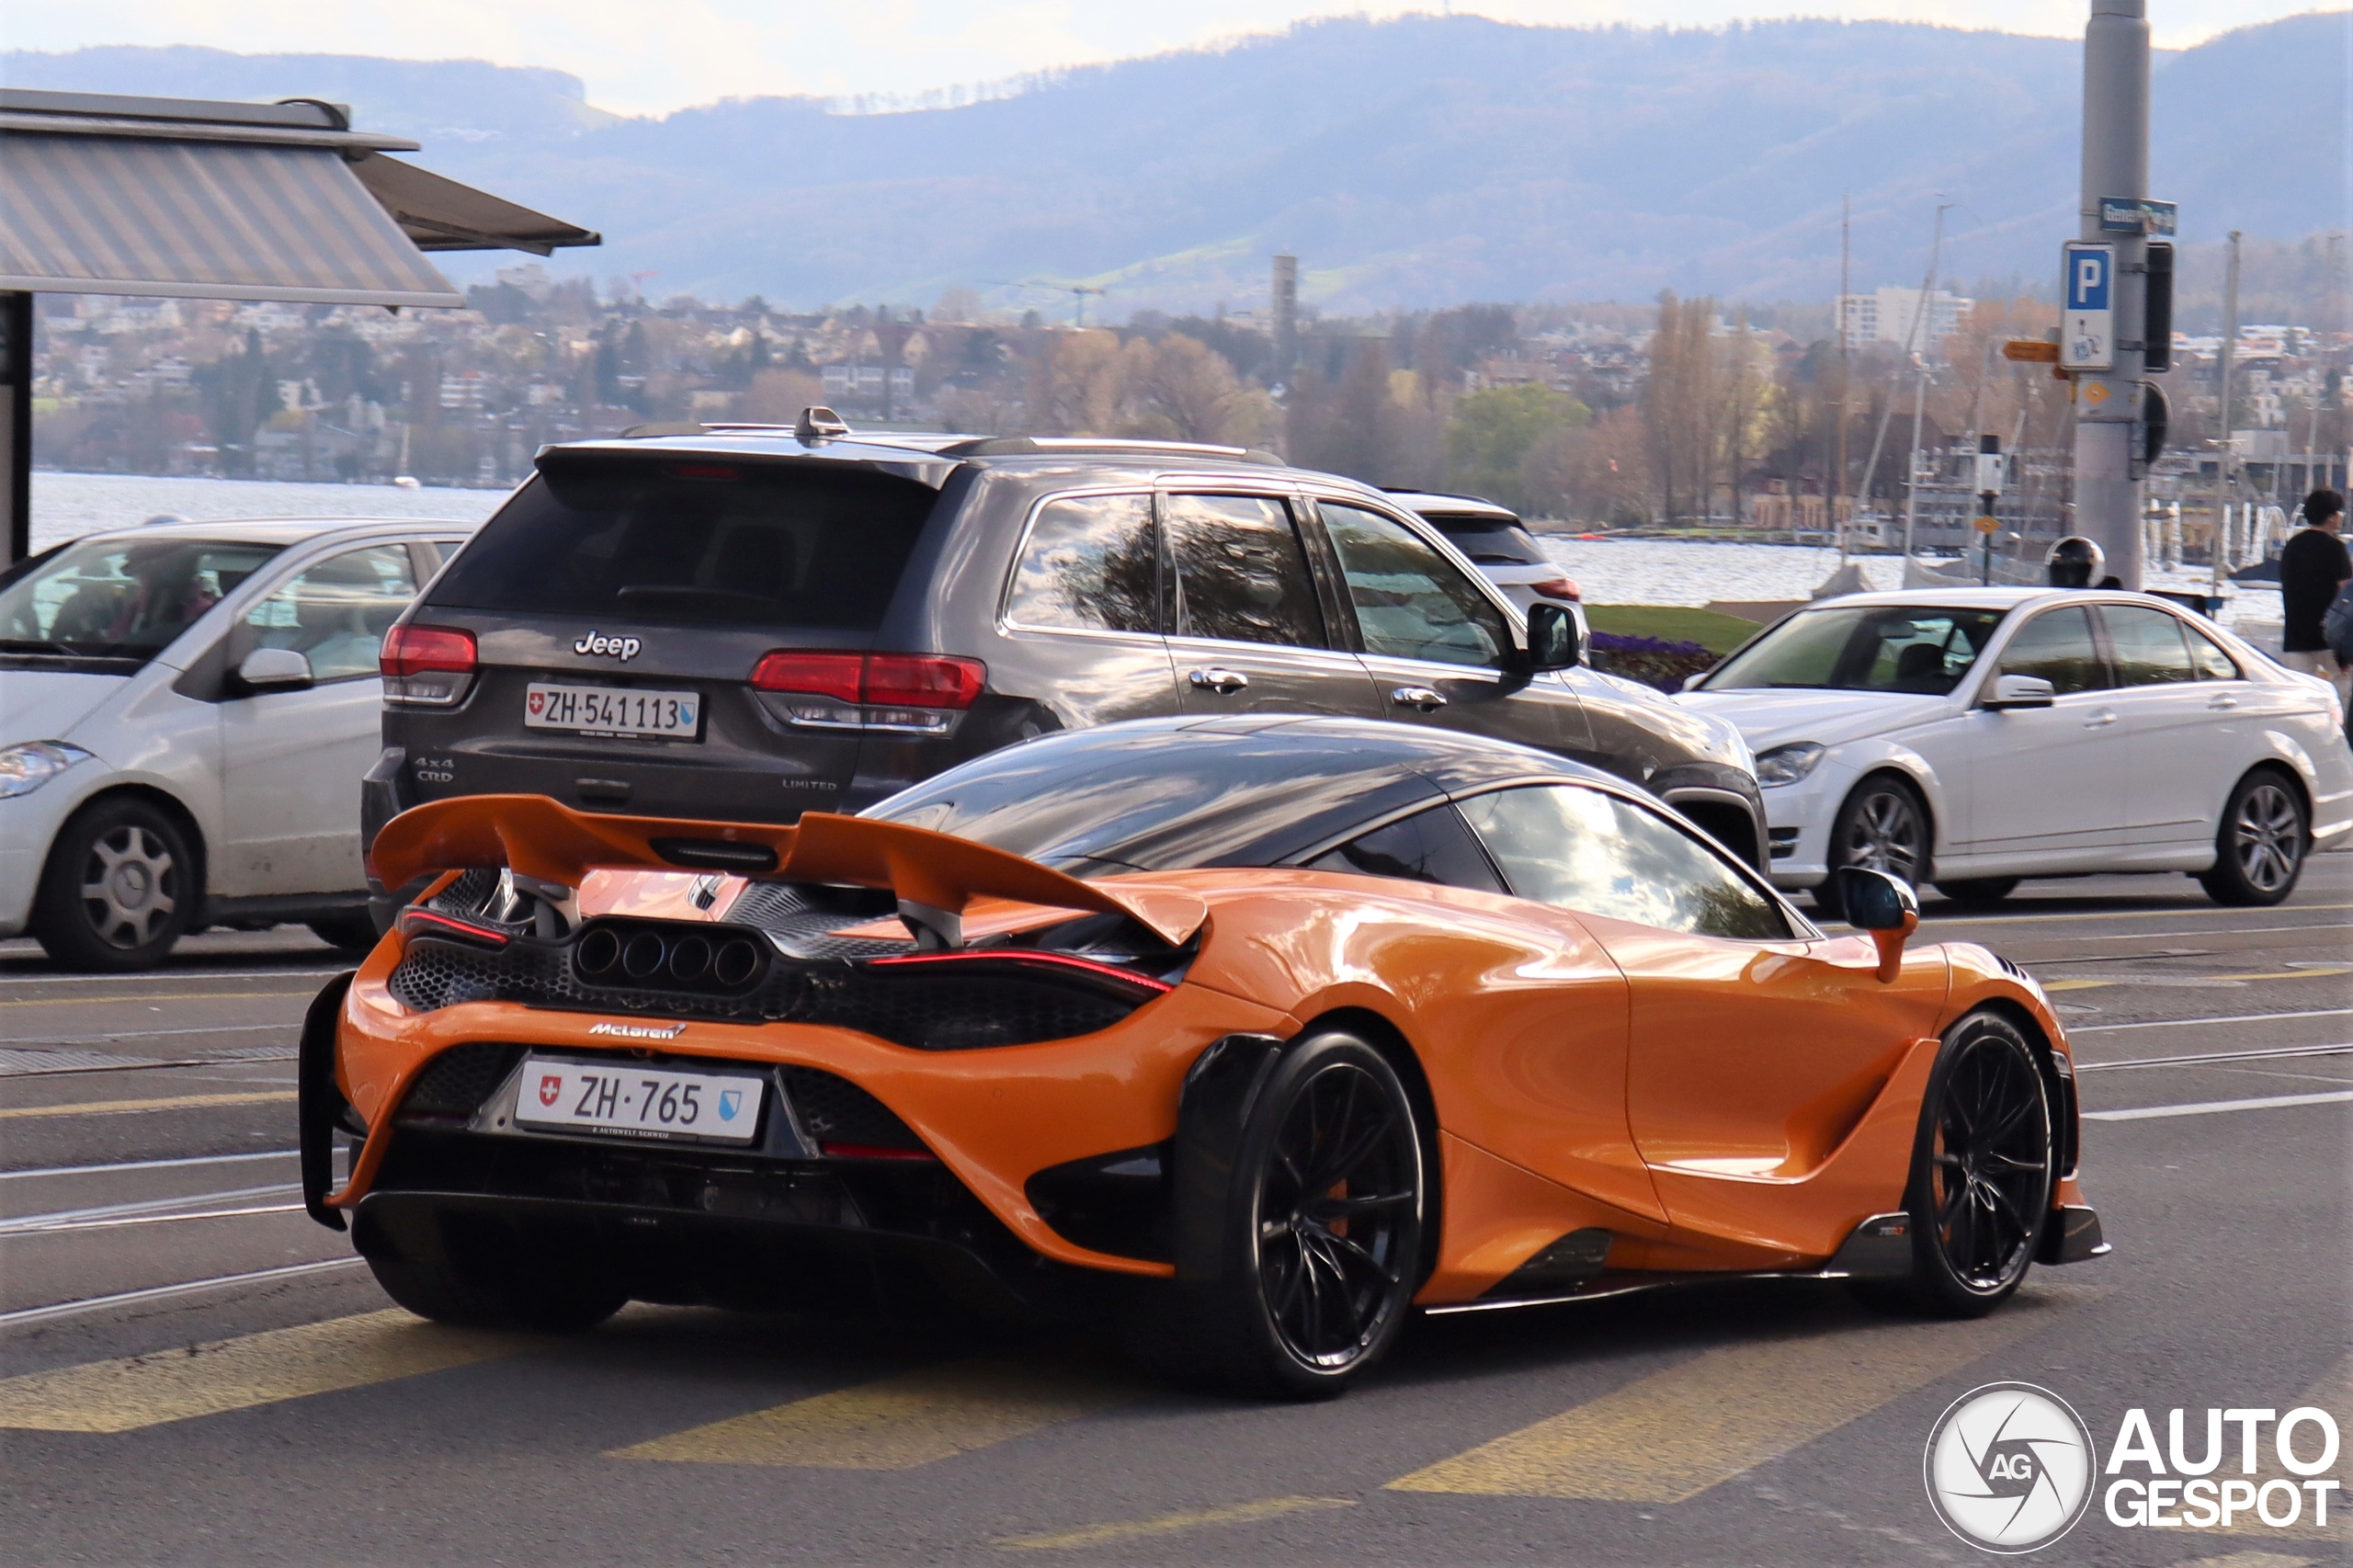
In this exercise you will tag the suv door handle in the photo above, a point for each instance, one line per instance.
(1419, 696)
(2100, 719)
(1214, 679)
(2221, 699)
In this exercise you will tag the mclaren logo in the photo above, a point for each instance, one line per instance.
(622, 648)
(640, 1031)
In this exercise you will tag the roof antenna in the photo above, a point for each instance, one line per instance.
(819, 424)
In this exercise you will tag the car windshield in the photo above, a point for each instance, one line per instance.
(121, 598)
(1921, 648)
(695, 543)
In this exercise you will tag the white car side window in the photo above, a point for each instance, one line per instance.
(336, 614)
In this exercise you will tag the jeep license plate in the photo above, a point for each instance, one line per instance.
(613, 710)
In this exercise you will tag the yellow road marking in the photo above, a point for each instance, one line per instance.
(1170, 1524)
(125, 1394)
(1676, 1433)
(151, 996)
(174, 1102)
(899, 1422)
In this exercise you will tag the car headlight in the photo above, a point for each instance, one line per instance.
(27, 767)
(1787, 765)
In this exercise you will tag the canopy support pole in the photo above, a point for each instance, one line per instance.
(17, 433)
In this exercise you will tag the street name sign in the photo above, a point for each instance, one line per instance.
(2087, 328)
(2137, 215)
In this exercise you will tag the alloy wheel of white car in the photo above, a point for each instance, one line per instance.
(1882, 829)
(2260, 849)
(128, 886)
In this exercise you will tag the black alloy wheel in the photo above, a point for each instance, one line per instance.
(1882, 826)
(119, 888)
(1320, 1242)
(1982, 1171)
(2259, 847)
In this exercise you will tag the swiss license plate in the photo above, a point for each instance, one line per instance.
(644, 1102)
(613, 710)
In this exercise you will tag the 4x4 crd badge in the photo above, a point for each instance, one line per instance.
(622, 648)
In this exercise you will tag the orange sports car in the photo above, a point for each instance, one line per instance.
(1261, 1032)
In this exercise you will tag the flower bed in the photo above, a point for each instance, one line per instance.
(1651, 660)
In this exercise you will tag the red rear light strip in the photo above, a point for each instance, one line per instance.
(413, 650)
(426, 923)
(892, 681)
(1032, 960)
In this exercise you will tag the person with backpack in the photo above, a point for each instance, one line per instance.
(2313, 571)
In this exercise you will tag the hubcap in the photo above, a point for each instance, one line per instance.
(1884, 835)
(1337, 1209)
(128, 889)
(1991, 1162)
(2268, 838)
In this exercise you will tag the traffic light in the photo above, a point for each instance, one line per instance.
(2156, 333)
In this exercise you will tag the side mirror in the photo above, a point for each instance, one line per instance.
(2019, 691)
(1552, 637)
(1691, 682)
(275, 669)
(1884, 905)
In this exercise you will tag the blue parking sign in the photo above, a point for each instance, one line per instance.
(2087, 325)
(2087, 272)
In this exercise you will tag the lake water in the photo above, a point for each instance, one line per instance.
(1634, 570)
(67, 506)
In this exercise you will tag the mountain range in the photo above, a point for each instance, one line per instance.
(1419, 160)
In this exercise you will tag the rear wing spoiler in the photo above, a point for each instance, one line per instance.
(935, 876)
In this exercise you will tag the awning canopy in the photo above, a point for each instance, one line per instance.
(103, 195)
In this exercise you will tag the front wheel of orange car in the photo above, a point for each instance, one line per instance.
(1982, 1172)
(1311, 1259)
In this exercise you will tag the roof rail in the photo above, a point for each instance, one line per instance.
(1029, 445)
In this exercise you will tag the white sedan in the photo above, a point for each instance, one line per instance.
(1972, 737)
(186, 713)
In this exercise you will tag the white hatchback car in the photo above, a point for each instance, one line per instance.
(186, 713)
(1972, 737)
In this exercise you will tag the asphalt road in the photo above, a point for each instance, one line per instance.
(192, 1373)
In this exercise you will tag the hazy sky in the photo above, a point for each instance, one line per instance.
(639, 57)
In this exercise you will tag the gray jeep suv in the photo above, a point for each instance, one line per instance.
(748, 623)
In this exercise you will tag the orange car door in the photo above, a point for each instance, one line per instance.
(1755, 1048)
(1525, 1014)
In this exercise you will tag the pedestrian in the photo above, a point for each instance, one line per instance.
(2311, 569)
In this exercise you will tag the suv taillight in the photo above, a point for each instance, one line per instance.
(426, 667)
(920, 694)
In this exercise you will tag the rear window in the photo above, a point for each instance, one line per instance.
(1489, 541)
(695, 543)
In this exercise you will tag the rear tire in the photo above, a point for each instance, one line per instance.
(460, 1269)
(119, 889)
(1983, 1169)
(352, 935)
(1978, 890)
(1320, 1243)
(2260, 847)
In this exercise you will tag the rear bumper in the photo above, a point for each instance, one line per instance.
(708, 1230)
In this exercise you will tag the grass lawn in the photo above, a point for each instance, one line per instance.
(1673, 623)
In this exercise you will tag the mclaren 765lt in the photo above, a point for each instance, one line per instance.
(1261, 1033)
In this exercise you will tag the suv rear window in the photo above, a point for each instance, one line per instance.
(1489, 541)
(695, 543)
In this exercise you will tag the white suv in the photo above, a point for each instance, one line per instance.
(186, 713)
